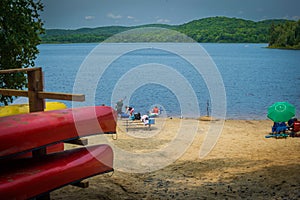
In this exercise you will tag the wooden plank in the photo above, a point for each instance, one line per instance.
(61, 96)
(6, 71)
(44, 95)
(136, 124)
(12, 92)
(80, 141)
(35, 85)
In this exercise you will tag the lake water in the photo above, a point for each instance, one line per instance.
(253, 77)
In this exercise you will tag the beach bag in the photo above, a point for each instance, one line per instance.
(137, 116)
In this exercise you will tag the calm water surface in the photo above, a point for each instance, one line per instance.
(254, 77)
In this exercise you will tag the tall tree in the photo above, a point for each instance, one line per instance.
(20, 29)
(285, 35)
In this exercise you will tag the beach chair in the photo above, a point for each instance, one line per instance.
(124, 115)
(278, 131)
(137, 121)
(279, 127)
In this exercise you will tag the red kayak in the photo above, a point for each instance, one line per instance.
(26, 132)
(27, 178)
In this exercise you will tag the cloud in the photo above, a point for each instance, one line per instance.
(113, 16)
(130, 17)
(163, 21)
(89, 17)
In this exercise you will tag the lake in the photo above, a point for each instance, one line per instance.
(253, 77)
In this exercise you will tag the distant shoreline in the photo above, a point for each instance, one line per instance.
(207, 30)
(284, 48)
(268, 47)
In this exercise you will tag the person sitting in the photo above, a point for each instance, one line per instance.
(291, 123)
(130, 111)
(279, 127)
(145, 119)
(293, 126)
(155, 112)
(274, 127)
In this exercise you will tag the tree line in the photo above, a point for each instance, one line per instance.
(212, 29)
(286, 35)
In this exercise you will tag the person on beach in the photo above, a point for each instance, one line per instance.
(291, 123)
(154, 112)
(129, 110)
(145, 119)
(119, 106)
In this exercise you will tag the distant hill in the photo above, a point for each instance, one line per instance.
(212, 29)
(228, 30)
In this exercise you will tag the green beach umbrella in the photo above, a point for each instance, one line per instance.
(281, 111)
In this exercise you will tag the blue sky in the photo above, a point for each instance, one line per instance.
(73, 14)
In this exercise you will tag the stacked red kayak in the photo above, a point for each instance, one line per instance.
(30, 177)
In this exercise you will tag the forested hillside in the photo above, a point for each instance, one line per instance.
(229, 30)
(213, 29)
(285, 35)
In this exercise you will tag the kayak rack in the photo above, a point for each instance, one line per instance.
(36, 96)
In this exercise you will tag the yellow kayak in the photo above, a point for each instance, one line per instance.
(16, 109)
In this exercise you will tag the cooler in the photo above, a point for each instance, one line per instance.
(151, 121)
(297, 126)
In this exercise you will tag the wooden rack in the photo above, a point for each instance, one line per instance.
(36, 97)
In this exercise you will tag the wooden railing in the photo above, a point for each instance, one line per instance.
(35, 92)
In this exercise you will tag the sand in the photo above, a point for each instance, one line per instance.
(242, 165)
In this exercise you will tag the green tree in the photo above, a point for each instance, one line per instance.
(273, 35)
(20, 28)
(285, 35)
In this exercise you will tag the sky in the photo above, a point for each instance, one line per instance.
(74, 14)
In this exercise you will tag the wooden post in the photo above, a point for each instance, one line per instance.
(35, 85)
(36, 104)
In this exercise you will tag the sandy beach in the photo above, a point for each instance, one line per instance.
(242, 165)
